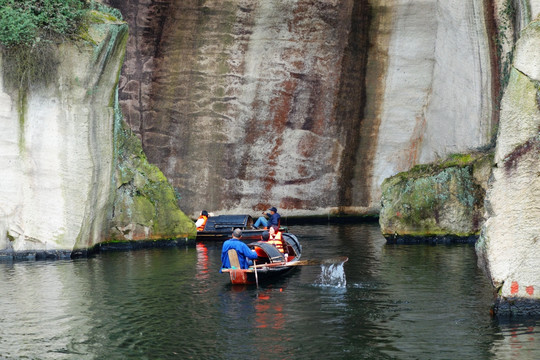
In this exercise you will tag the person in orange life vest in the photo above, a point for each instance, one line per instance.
(201, 221)
(276, 239)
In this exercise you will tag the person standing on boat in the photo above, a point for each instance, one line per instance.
(272, 221)
(201, 221)
(245, 254)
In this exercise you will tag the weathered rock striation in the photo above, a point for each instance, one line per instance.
(509, 245)
(57, 188)
(306, 105)
(436, 203)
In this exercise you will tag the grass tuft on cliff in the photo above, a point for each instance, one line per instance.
(27, 23)
(453, 160)
(29, 27)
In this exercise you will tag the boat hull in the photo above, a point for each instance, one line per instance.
(271, 263)
(220, 228)
(247, 235)
(247, 276)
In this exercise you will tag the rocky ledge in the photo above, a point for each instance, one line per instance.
(436, 203)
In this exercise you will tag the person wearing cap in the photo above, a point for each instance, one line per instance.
(201, 221)
(245, 254)
(272, 221)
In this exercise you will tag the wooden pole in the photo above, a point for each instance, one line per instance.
(256, 277)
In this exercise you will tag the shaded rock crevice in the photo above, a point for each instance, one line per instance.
(350, 109)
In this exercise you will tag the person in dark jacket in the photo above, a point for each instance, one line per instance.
(273, 220)
(243, 251)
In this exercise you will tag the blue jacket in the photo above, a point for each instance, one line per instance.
(274, 219)
(243, 251)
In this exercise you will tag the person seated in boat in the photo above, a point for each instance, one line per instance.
(277, 240)
(273, 219)
(201, 221)
(245, 254)
(265, 236)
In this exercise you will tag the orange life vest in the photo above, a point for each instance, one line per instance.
(201, 227)
(277, 241)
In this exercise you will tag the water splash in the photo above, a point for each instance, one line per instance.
(332, 275)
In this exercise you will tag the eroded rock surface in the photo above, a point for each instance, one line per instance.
(304, 105)
(145, 205)
(509, 246)
(437, 203)
(58, 159)
(57, 148)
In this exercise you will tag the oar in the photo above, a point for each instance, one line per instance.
(256, 277)
(337, 260)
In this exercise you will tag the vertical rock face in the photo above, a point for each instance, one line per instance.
(58, 188)
(57, 149)
(229, 91)
(438, 96)
(509, 245)
(306, 105)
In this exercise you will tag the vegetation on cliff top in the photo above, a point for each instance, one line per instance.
(27, 23)
(27, 29)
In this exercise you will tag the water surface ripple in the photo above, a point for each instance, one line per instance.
(386, 302)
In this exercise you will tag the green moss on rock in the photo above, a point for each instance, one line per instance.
(145, 205)
(143, 210)
(441, 199)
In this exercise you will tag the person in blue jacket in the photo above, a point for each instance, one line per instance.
(273, 220)
(243, 251)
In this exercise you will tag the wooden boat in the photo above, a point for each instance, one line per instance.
(220, 228)
(270, 264)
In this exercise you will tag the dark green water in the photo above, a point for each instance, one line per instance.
(386, 302)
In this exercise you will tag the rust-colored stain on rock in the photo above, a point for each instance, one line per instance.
(227, 137)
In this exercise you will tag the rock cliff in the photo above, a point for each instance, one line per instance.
(306, 105)
(145, 205)
(57, 189)
(441, 202)
(509, 246)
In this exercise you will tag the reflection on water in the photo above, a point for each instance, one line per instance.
(203, 271)
(517, 340)
(386, 302)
